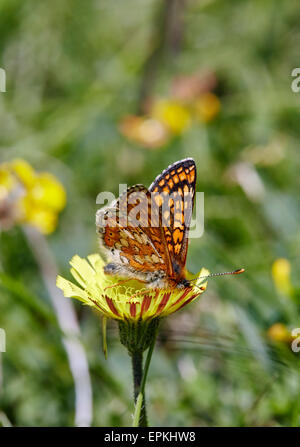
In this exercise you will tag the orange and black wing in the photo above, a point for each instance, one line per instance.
(173, 193)
(124, 232)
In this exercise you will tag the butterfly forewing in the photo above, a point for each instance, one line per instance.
(173, 194)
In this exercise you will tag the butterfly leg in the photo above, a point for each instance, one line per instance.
(142, 292)
(117, 283)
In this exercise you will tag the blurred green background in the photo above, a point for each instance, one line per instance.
(74, 71)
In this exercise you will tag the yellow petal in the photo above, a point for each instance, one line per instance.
(24, 172)
(281, 273)
(279, 332)
(47, 191)
(70, 290)
(82, 271)
(7, 181)
(174, 115)
(44, 220)
(207, 107)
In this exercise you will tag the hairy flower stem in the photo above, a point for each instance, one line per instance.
(138, 336)
(140, 401)
(137, 369)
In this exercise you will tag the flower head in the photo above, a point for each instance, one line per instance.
(207, 106)
(279, 332)
(145, 130)
(29, 197)
(281, 273)
(130, 302)
(172, 114)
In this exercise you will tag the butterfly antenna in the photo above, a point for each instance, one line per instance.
(235, 272)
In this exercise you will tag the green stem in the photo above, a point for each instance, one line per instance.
(147, 363)
(137, 368)
(140, 402)
(138, 336)
(104, 339)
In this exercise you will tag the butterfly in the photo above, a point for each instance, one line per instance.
(144, 233)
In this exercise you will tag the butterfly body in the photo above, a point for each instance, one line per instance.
(144, 233)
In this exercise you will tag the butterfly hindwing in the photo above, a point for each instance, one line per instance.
(122, 229)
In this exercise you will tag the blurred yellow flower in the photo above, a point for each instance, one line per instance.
(281, 273)
(24, 172)
(29, 197)
(174, 115)
(148, 132)
(279, 332)
(166, 118)
(131, 302)
(206, 107)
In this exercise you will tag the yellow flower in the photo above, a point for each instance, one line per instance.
(24, 171)
(279, 332)
(281, 273)
(148, 132)
(36, 198)
(207, 106)
(124, 303)
(172, 114)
